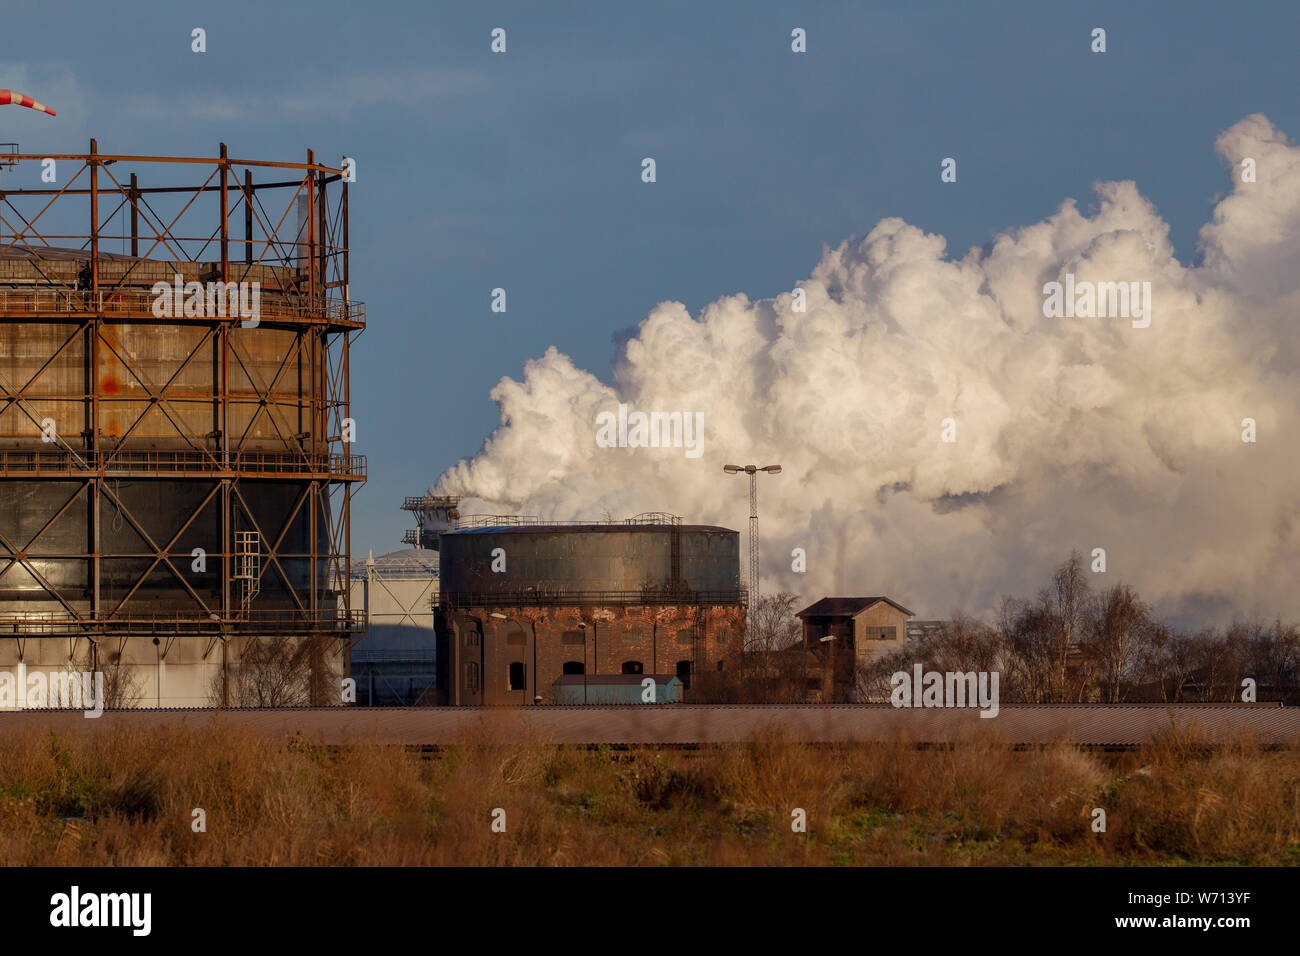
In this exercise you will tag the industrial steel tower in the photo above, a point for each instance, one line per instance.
(176, 474)
(752, 471)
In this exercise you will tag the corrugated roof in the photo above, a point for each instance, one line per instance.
(838, 606)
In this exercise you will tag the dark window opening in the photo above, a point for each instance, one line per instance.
(632, 667)
(684, 669)
(471, 677)
(575, 667)
(517, 676)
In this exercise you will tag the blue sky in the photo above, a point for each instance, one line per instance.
(522, 170)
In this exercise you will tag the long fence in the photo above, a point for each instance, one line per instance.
(687, 725)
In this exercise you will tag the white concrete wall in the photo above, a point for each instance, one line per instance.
(182, 678)
(182, 673)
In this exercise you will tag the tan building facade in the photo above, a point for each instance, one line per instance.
(849, 632)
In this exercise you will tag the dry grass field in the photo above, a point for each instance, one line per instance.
(129, 800)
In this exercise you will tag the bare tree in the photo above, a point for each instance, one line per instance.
(1216, 664)
(774, 668)
(1159, 662)
(963, 644)
(1170, 660)
(1026, 631)
(123, 684)
(1274, 658)
(277, 672)
(1119, 627)
(1067, 645)
(774, 626)
(1066, 602)
(872, 678)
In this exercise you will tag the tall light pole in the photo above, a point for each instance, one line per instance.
(752, 471)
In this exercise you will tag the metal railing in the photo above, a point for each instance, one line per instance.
(389, 572)
(273, 306)
(469, 522)
(413, 656)
(178, 462)
(496, 521)
(561, 597)
(180, 623)
(419, 502)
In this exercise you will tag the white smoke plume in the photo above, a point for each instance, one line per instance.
(1070, 432)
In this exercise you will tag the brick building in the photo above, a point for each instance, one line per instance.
(846, 632)
(525, 604)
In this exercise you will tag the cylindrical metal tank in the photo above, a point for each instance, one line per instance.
(529, 611)
(186, 471)
(622, 562)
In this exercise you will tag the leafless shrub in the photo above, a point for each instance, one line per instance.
(277, 672)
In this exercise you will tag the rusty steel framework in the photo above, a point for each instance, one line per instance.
(433, 515)
(188, 475)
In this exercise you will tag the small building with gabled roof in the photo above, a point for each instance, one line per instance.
(851, 631)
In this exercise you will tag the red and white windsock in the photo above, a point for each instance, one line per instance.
(17, 99)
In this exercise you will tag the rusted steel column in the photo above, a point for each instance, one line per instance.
(346, 247)
(96, 543)
(135, 217)
(322, 241)
(225, 218)
(248, 217)
(311, 227)
(94, 220)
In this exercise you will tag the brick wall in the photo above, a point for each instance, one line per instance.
(657, 637)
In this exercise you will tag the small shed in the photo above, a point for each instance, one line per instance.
(614, 689)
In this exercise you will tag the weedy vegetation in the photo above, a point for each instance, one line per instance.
(128, 800)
